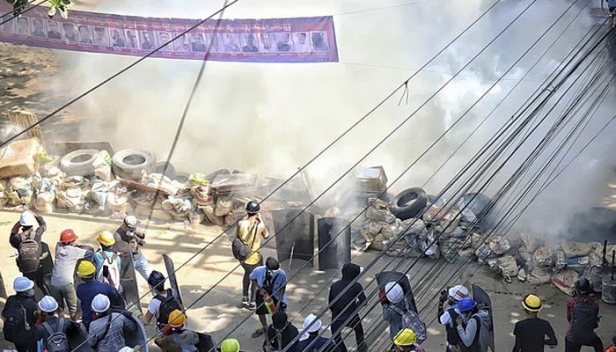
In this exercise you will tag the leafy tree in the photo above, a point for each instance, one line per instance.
(54, 6)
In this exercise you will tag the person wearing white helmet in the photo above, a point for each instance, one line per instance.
(311, 341)
(129, 238)
(106, 332)
(20, 310)
(447, 315)
(27, 241)
(52, 324)
(394, 306)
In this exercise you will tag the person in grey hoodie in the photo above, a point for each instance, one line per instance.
(63, 275)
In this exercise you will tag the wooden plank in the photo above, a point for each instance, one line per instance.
(25, 119)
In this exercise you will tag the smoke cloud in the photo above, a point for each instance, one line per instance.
(272, 118)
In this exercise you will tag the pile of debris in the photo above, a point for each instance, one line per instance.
(131, 182)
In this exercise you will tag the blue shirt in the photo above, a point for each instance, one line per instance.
(279, 281)
(86, 293)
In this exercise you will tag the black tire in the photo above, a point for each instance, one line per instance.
(129, 163)
(166, 168)
(79, 162)
(409, 203)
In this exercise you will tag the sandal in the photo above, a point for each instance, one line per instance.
(257, 333)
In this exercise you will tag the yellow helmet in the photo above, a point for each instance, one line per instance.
(176, 318)
(405, 337)
(86, 268)
(230, 345)
(106, 239)
(532, 303)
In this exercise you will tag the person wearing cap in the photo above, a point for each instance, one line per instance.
(176, 338)
(344, 307)
(472, 325)
(90, 289)
(583, 318)
(18, 304)
(63, 274)
(404, 341)
(311, 341)
(271, 281)
(50, 323)
(106, 332)
(230, 345)
(107, 255)
(24, 229)
(280, 334)
(250, 231)
(530, 333)
(394, 307)
(447, 316)
(129, 238)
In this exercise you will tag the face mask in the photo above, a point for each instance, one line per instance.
(273, 272)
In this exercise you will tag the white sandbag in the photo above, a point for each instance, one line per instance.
(102, 166)
(507, 266)
(224, 205)
(44, 201)
(531, 242)
(499, 245)
(565, 281)
(201, 195)
(540, 276)
(391, 230)
(379, 211)
(576, 249)
(544, 257)
(433, 214)
(413, 227)
(116, 201)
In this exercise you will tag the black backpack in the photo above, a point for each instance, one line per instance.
(29, 255)
(584, 320)
(56, 341)
(15, 324)
(167, 305)
(240, 250)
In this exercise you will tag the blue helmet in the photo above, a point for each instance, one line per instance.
(466, 304)
(156, 279)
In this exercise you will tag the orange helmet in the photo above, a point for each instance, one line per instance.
(68, 236)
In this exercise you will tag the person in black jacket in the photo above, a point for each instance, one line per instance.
(448, 316)
(51, 323)
(344, 310)
(24, 229)
(279, 335)
(530, 333)
(19, 315)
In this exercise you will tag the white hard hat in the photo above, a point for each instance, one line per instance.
(131, 221)
(126, 349)
(22, 284)
(48, 304)
(394, 292)
(27, 219)
(314, 327)
(458, 292)
(100, 303)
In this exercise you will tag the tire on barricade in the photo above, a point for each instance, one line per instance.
(130, 163)
(79, 162)
(409, 203)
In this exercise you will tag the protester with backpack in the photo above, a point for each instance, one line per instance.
(175, 338)
(63, 275)
(447, 316)
(279, 335)
(27, 241)
(107, 261)
(130, 240)
(583, 318)
(52, 332)
(344, 307)
(106, 332)
(19, 316)
(405, 341)
(271, 293)
(400, 312)
(245, 248)
(91, 288)
(530, 333)
(163, 303)
(473, 326)
(311, 341)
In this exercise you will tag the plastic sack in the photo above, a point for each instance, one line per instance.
(507, 266)
(379, 211)
(44, 201)
(531, 242)
(565, 281)
(102, 165)
(544, 257)
(224, 205)
(201, 195)
(540, 276)
(499, 245)
(198, 179)
(576, 249)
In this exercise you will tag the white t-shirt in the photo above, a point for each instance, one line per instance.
(154, 306)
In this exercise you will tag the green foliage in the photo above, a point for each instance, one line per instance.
(54, 6)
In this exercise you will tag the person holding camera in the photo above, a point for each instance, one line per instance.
(447, 315)
(250, 231)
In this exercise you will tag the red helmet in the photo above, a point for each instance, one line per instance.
(67, 236)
